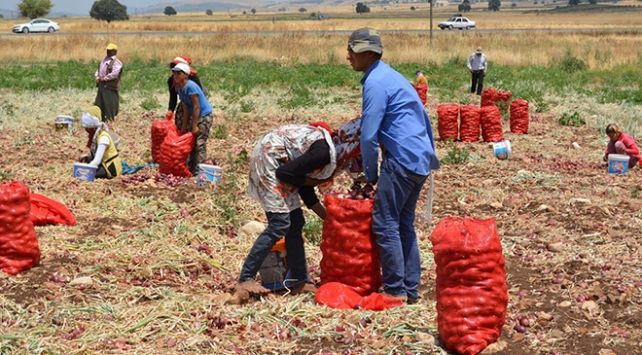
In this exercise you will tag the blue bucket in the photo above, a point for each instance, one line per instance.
(618, 163)
(211, 173)
(502, 150)
(84, 172)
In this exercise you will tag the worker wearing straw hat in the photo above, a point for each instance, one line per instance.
(393, 119)
(477, 66)
(108, 83)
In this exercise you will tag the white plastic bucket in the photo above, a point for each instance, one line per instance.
(211, 173)
(84, 172)
(502, 150)
(618, 163)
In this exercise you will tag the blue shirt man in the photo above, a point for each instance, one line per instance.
(393, 119)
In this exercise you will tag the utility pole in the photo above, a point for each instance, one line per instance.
(431, 3)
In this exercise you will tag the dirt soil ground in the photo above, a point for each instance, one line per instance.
(150, 264)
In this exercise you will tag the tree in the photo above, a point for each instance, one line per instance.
(209, 12)
(34, 8)
(412, 8)
(253, 11)
(494, 5)
(108, 10)
(170, 11)
(573, 2)
(362, 8)
(302, 9)
(592, 2)
(464, 6)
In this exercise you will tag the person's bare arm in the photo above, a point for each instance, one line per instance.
(196, 114)
(319, 209)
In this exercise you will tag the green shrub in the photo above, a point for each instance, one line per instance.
(456, 155)
(572, 119)
(150, 103)
(219, 131)
(571, 64)
(247, 106)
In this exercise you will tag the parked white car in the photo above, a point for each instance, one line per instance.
(457, 21)
(37, 25)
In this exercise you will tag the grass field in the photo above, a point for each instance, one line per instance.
(149, 266)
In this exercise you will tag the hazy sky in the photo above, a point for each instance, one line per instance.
(81, 6)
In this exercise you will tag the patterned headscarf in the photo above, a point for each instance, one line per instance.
(346, 141)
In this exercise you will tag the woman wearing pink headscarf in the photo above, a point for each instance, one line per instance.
(285, 165)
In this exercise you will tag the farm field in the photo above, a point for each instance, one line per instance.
(156, 260)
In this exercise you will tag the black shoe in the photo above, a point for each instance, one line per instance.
(412, 300)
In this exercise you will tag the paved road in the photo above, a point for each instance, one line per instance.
(636, 30)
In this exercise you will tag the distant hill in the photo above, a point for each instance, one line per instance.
(186, 7)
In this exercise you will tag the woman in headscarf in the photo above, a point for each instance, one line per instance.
(622, 143)
(285, 165)
(103, 150)
(173, 90)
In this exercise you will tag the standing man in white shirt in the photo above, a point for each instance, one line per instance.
(108, 83)
(477, 66)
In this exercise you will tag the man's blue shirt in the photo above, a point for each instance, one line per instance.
(394, 117)
(186, 93)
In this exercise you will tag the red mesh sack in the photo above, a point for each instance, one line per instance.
(337, 295)
(472, 294)
(470, 123)
(159, 131)
(46, 211)
(350, 255)
(174, 152)
(341, 296)
(19, 248)
(422, 91)
(519, 116)
(488, 97)
(503, 96)
(448, 121)
(491, 124)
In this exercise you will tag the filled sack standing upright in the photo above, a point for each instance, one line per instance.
(472, 293)
(519, 116)
(350, 255)
(448, 121)
(19, 250)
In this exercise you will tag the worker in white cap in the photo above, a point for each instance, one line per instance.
(108, 83)
(197, 114)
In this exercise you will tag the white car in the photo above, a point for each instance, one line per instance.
(457, 21)
(37, 25)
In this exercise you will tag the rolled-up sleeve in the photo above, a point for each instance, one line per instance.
(373, 111)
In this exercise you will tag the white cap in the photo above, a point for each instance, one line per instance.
(182, 67)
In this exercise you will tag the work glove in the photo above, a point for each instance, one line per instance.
(169, 115)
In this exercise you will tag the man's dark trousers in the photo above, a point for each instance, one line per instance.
(478, 81)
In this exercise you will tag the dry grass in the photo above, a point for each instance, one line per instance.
(603, 51)
(520, 49)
